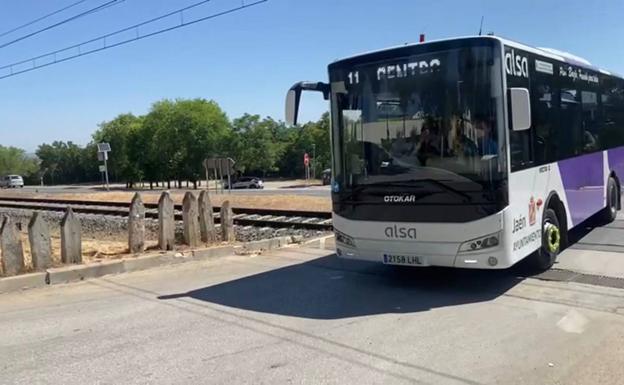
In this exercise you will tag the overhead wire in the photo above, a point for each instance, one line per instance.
(28, 24)
(54, 54)
(100, 7)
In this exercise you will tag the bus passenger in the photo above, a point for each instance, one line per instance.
(485, 137)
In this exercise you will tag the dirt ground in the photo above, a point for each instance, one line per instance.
(282, 201)
(93, 250)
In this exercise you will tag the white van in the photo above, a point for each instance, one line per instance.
(11, 181)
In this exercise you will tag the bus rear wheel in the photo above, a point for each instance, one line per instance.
(545, 257)
(609, 213)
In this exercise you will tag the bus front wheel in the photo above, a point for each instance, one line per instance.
(545, 257)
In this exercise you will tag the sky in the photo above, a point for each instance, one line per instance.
(246, 61)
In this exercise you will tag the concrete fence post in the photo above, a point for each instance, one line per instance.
(206, 219)
(71, 238)
(40, 244)
(227, 222)
(12, 251)
(166, 222)
(190, 217)
(136, 225)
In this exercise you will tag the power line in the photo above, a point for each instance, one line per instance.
(41, 18)
(54, 54)
(78, 16)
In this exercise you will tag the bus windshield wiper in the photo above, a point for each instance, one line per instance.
(354, 191)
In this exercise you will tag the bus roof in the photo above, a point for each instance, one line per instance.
(546, 52)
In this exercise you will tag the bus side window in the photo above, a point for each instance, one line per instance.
(612, 100)
(520, 149)
(544, 120)
(571, 134)
(590, 125)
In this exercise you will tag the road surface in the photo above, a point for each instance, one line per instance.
(271, 188)
(300, 315)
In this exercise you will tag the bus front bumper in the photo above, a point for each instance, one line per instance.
(423, 254)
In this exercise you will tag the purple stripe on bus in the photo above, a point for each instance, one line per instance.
(583, 183)
(616, 162)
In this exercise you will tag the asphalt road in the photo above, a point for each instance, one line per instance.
(300, 315)
(322, 191)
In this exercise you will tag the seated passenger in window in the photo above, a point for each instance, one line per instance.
(589, 141)
(485, 136)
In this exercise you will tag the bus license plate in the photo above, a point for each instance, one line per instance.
(393, 259)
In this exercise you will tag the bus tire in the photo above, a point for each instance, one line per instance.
(609, 213)
(545, 257)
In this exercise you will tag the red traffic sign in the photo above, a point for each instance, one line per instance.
(306, 159)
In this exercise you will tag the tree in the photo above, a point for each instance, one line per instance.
(15, 161)
(257, 147)
(182, 133)
(311, 137)
(321, 132)
(66, 162)
(173, 139)
(120, 134)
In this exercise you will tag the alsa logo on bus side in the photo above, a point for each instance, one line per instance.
(516, 65)
(400, 232)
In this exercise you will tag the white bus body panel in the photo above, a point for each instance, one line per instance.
(520, 224)
(437, 244)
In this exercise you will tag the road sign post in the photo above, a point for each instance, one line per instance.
(313, 160)
(103, 150)
(306, 164)
(230, 168)
(221, 167)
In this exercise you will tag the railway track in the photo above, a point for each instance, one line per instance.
(313, 220)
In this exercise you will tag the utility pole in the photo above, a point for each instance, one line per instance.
(313, 160)
(106, 171)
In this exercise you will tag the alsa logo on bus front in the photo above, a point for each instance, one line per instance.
(400, 232)
(516, 65)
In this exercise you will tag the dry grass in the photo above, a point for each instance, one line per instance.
(273, 201)
(92, 249)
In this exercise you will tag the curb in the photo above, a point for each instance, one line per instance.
(73, 273)
(264, 244)
(318, 243)
(80, 272)
(24, 281)
(215, 252)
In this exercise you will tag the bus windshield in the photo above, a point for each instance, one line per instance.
(430, 121)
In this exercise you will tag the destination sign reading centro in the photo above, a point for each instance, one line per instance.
(405, 70)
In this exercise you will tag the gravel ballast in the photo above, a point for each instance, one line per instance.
(115, 228)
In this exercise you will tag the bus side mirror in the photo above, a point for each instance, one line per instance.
(520, 109)
(293, 97)
(292, 105)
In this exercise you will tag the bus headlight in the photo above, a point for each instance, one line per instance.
(344, 238)
(481, 243)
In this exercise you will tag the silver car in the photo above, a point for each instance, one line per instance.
(247, 182)
(11, 181)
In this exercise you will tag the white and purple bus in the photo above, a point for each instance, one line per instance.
(471, 152)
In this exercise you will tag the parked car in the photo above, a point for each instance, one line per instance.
(247, 182)
(11, 181)
(326, 176)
